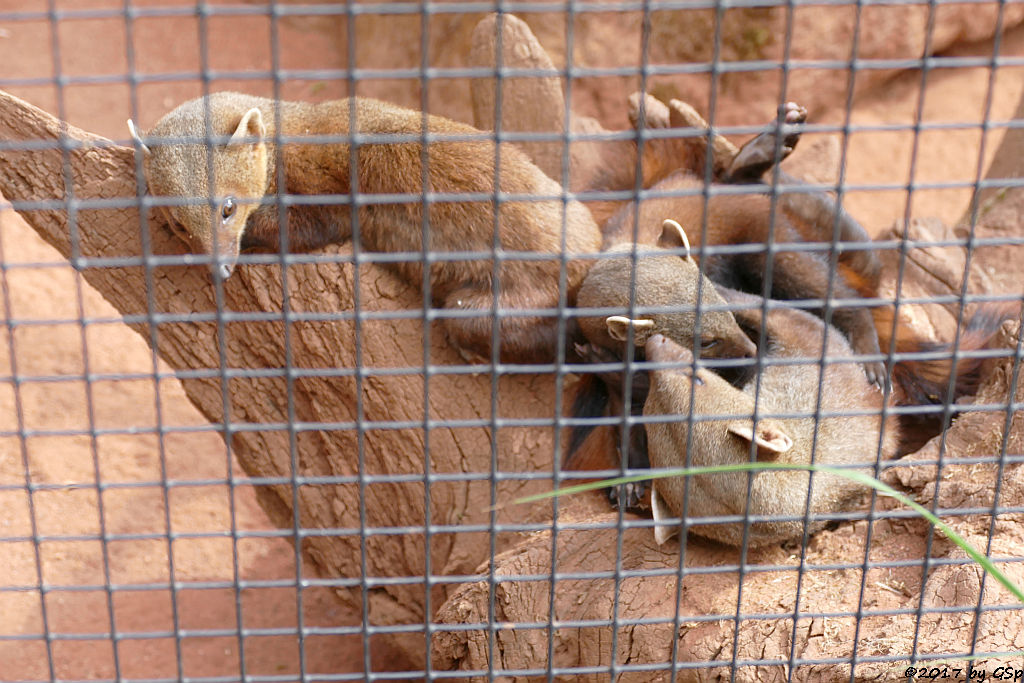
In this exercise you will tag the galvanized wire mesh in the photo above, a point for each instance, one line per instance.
(137, 550)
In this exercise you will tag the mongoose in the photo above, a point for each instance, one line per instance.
(238, 159)
(789, 332)
(664, 296)
(786, 391)
(665, 301)
(751, 219)
(717, 427)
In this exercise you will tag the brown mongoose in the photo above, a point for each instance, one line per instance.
(751, 219)
(250, 143)
(717, 427)
(662, 282)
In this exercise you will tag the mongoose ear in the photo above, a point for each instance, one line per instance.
(674, 237)
(251, 126)
(769, 438)
(618, 328)
(138, 138)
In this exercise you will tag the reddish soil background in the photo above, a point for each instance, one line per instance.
(50, 416)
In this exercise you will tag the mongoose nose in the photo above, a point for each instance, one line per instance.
(749, 349)
(654, 343)
(661, 349)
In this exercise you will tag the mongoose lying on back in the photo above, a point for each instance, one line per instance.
(239, 170)
(731, 219)
(788, 333)
(786, 396)
(667, 286)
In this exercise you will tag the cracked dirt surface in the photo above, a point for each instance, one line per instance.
(74, 430)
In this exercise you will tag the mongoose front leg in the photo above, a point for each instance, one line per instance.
(824, 220)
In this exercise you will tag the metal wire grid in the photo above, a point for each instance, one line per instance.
(244, 636)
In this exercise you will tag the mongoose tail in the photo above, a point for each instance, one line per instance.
(927, 381)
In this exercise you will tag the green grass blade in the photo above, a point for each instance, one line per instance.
(854, 475)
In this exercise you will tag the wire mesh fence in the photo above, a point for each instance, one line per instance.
(278, 367)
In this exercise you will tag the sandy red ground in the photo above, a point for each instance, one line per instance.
(53, 424)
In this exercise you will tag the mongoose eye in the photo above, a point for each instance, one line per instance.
(227, 209)
(708, 344)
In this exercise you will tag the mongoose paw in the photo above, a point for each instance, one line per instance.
(759, 155)
(864, 341)
(631, 494)
(876, 374)
(591, 353)
(792, 113)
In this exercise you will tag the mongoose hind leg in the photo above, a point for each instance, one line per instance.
(663, 156)
(759, 155)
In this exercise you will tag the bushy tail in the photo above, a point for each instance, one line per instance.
(926, 381)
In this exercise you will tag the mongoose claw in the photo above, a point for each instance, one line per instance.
(630, 494)
(876, 374)
(760, 154)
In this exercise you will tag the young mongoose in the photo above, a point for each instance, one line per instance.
(716, 427)
(662, 292)
(234, 149)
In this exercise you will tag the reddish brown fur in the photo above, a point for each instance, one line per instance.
(748, 219)
(927, 381)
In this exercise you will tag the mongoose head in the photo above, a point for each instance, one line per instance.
(668, 285)
(214, 174)
(712, 396)
(719, 431)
